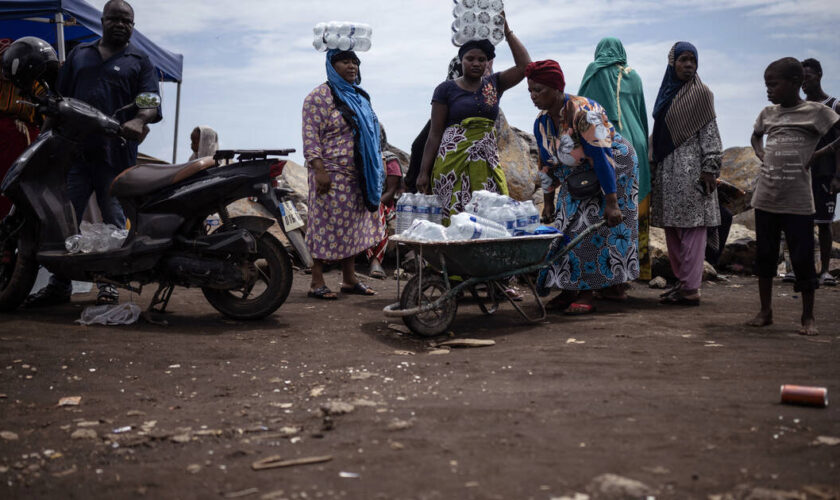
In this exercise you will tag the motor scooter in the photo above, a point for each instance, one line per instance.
(243, 271)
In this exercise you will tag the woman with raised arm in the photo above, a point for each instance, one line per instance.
(460, 154)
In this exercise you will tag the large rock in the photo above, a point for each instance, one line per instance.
(739, 253)
(740, 167)
(515, 157)
(658, 250)
(746, 219)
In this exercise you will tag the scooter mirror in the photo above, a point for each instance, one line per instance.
(147, 100)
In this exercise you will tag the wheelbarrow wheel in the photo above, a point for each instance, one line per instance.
(436, 321)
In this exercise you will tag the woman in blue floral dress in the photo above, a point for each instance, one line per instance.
(574, 135)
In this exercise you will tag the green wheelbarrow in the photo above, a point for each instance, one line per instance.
(428, 302)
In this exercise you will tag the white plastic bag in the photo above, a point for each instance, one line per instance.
(113, 314)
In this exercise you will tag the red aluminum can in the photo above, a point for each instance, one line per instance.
(804, 395)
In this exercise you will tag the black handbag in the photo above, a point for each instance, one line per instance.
(583, 184)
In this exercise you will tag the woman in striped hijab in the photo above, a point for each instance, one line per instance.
(685, 163)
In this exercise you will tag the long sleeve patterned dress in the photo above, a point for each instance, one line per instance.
(339, 224)
(587, 140)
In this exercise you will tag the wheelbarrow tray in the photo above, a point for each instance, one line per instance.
(483, 258)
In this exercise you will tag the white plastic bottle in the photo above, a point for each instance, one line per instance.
(73, 244)
(464, 226)
(533, 215)
(405, 212)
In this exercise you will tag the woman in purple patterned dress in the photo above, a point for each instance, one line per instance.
(340, 224)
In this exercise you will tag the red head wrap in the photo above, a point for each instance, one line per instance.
(546, 72)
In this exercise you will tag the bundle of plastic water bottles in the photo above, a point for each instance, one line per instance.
(478, 20)
(486, 215)
(342, 35)
(417, 206)
(94, 238)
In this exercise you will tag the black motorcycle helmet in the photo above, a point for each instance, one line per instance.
(30, 60)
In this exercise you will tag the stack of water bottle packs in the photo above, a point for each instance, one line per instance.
(342, 35)
(486, 215)
(478, 20)
(95, 238)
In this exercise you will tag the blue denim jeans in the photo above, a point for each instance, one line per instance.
(83, 179)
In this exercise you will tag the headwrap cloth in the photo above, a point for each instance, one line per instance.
(548, 73)
(483, 45)
(367, 136)
(609, 52)
(681, 108)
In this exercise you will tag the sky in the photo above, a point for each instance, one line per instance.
(248, 64)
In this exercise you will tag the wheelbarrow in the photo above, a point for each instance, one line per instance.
(428, 302)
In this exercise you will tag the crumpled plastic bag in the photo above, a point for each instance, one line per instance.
(113, 314)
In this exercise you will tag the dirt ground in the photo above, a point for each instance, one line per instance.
(683, 400)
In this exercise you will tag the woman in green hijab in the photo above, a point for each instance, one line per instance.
(617, 87)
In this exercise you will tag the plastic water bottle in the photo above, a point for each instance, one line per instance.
(423, 230)
(86, 244)
(507, 217)
(464, 226)
(362, 44)
(212, 222)
(73, 244)
(405, 212)
(533, 215)
(487, 222)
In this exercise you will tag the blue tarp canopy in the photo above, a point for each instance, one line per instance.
(19, 18)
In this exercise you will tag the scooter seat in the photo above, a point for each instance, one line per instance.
(144, 179)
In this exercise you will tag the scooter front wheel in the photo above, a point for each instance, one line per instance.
(18, 268)
(272, 269)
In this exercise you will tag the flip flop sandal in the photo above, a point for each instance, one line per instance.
(514, 294)
(377, 273)
(358, 289)
(107, 296)
(679, 300)
(322, 292)
(827, 280)
(579, 309)
(558, 304)
(670, 291)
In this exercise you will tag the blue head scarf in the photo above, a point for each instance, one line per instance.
(367, 138)
(670, 83)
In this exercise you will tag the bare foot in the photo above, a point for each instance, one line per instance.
(809, 327)
(763, 318)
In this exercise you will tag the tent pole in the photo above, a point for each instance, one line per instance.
(177, 115)
(59, 36)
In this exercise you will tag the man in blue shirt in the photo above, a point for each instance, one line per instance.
(107, 74)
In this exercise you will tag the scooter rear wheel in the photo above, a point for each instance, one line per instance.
(269, 290)
(18, 268)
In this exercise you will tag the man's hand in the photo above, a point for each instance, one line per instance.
(134, 129)
(835, 185)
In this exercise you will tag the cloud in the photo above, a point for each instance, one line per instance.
(249, 63)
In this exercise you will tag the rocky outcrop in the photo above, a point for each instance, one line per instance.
(739, 253)
(517, 160)
(740, 167)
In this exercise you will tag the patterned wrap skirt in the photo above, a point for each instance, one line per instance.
(339, 225)
(467, 161)
(609, 256)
